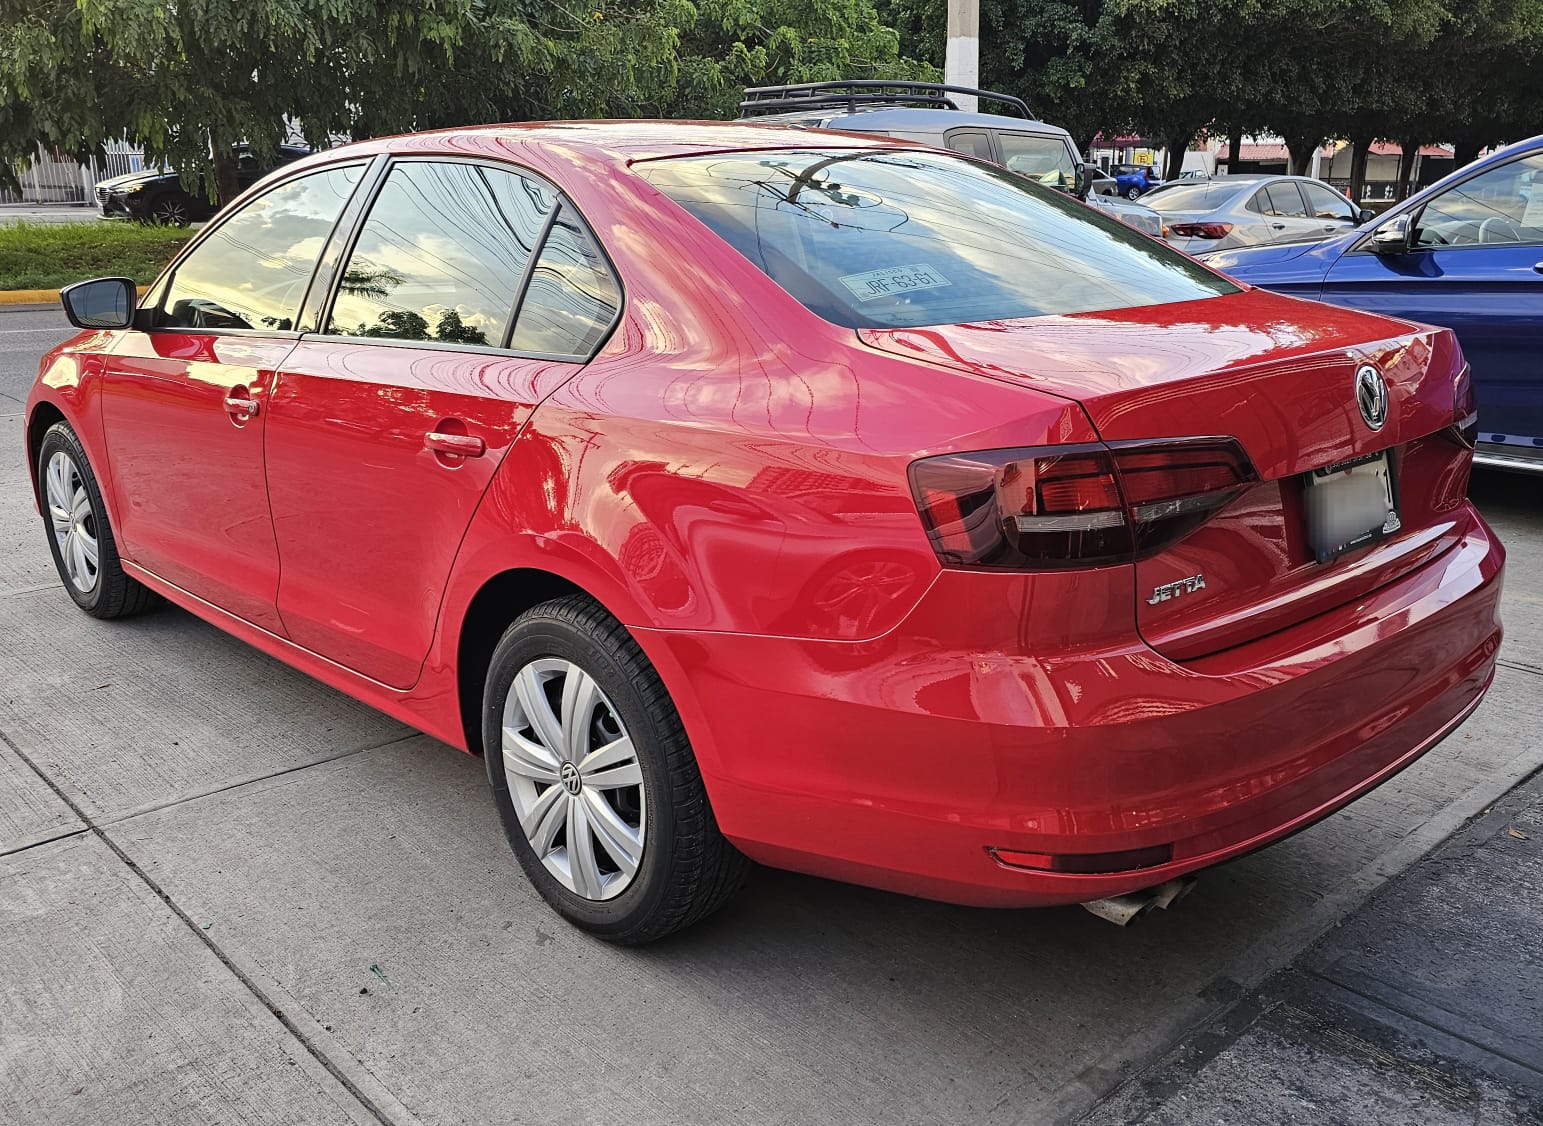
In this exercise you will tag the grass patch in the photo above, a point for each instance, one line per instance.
(50, 255)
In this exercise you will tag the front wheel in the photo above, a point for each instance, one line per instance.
(79, 534)
(595, 780)
(1132, 193)
(169, 211)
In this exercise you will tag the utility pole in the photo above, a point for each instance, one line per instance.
(961, 58)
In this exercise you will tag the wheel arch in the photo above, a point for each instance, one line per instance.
(44, 415)
(501, 599)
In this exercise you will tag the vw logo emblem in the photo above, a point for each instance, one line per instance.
(571, 780)
(1371, 395)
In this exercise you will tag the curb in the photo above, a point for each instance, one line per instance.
(25, 299)
(29, 296)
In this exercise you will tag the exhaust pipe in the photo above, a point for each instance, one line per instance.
(1122, 909)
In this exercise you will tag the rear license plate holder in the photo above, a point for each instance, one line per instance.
(1349, 505)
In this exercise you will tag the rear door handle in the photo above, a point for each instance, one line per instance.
(240, 407)
(457, 445)
(1277, 226)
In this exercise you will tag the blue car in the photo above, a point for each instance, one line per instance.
(1467, 253)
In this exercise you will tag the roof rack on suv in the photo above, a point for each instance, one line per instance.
(866, 92)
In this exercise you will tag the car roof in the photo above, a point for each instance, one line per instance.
(619, 142)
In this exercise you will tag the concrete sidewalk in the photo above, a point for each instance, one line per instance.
(1425, 1006)
(230, 894)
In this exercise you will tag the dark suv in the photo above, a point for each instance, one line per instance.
(158, 196)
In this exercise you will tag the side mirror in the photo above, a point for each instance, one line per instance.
(1084, 181)
(102, 303)
(1365, 215)
(1392, 237)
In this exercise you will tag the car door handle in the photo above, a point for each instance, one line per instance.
(1539, 267)
(457, 445)
(241, 407)
(1277, 226)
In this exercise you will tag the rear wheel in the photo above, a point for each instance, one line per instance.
(79, 535)
(1132, 193)
(595, 781)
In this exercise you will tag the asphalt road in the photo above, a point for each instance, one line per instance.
(228, 893)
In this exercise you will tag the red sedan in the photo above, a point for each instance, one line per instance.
(745, 492)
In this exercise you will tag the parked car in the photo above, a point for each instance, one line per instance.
(1132, 181)
(821, 499)
(1467, 253)
(158, 195)
(1223, 212)
(925, 112)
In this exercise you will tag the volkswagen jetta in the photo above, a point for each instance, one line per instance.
(742, 492)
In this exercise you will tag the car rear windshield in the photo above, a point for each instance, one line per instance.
(875, 239)
(1193, 197)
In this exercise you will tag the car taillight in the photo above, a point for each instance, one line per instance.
(1465, 408)
(1073, 506)
(1202, 230)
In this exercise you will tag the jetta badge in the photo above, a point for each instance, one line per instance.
(1174, 589)
(1371, 395)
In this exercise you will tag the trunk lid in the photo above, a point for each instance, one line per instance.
(1279, 375)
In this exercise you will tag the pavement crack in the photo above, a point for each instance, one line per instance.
(249, 780)
(1519, 666)
(1377, 1000)
(63, 834)
(202, 935)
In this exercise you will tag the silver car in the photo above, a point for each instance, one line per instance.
(1224, 212)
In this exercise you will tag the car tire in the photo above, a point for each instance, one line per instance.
(1132, 193)
(566, 686)
(170, 210)
(75, 522)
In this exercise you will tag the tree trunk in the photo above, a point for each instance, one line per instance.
(1177, 145)
(1407, 152)
(1234, 146)
(226, 184)
(1465, 153)
(1301, 150)
(1360, 150)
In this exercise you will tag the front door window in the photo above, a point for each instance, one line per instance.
(1502, 205)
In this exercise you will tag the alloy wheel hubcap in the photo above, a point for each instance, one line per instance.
(574, 778)
(73, 521)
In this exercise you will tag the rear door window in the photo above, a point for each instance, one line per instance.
(1045, 159)
(870, 238)
(1284, 200)
(971, 143)
(441, 254)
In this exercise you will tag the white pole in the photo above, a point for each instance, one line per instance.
(961, 57)
(1317, 161)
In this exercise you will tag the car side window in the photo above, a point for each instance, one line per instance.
(1259, 203)
(971, 143)
(573, 297)
(1503, 204)
(252, 270)
(441, 254)
(1045, 159)
(1284, 200)
(1327, 203)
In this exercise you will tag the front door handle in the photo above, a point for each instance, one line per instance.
(1277, 226)
(241, 408)
(457, 445)
(1539, 267)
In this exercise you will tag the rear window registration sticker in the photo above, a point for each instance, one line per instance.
(892, 282)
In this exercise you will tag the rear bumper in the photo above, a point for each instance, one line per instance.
(910, 762)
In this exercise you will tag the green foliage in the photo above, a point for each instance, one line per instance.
(188, 79)
(50, 255)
